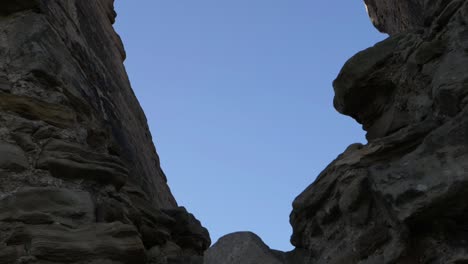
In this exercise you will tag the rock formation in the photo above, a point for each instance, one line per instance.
(251, 247)
(401, 197)
(80, 178)
(248, 248)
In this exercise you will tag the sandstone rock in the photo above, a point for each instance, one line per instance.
(34, 109)
(48, 205)
(67, 160)
(171, 253)
(393, 16)
(81, 179)
(242, 247)
(187, 231)
(11, 254)
(11, 6)
(82, 183)
(185, 260)
(25, 141)
(399, 198)
(57, 243)
(361, 89)
(4, 84)
(12, 157)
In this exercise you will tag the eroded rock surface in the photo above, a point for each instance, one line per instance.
(80, 178)
(242, 247)
(248, 248)
(401, 198)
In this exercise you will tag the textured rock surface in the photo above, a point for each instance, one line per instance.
(244, 247)
(402, 197)
(248, 248)
(395, 16)
(81, 181)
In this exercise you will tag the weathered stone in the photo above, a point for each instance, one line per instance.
(60, 244)
(48, 205)
(401, 196)
(187, 231)
(12, 157)
(8, 255)
(11, 6)
(185, 260)
(152, 236)
(72, 161)
(36, 110)
(4, 84)
(171, 253)
(25, 141)
(242, 247)
(82, 137)
(351, 97)
(80, 177)
(393, 16)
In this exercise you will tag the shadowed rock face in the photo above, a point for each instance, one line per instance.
(401, 198)
(248, 248)
(395, 16)
(81, 180)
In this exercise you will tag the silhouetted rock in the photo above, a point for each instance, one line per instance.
(401, 197)
(80, 177)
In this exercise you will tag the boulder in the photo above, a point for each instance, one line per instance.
(241, 247)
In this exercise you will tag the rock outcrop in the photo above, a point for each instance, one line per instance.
(248, 248)
(242, 247)
(401, 198)
(80, 178)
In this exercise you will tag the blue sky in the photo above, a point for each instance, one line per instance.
(238, 97)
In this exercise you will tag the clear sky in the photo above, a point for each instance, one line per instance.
(238, 95)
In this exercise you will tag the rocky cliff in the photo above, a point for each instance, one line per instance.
(80, 177)
(401, 197)
(81, 180)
